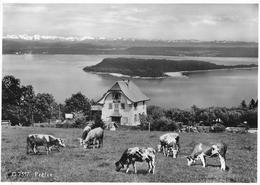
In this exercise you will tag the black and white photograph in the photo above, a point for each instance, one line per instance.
(119, 92)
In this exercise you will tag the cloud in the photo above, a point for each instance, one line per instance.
(209, 21)
(24, 8)
(147, 21)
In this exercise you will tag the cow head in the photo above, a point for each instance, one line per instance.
(159, 148)
(60, 142)
(191, 160)
(86, 144)
(119, 165)
(80, 141)
(214, 150)
(174, 152)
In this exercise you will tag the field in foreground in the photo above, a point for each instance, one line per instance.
(75, 164)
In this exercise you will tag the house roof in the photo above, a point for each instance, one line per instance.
(129, 89)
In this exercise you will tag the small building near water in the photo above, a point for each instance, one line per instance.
(122, 103)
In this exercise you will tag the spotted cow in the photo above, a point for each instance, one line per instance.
(201, 151)
(137, 154)
(48, 141)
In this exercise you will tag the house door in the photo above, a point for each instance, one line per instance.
(116, 119)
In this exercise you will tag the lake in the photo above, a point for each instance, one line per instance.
(62, 75)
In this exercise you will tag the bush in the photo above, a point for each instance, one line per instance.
(164, 124)
(79, 122)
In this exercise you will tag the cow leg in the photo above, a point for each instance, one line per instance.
(163, 148)
(94, 143)
(58, 148)
(134, 167)
(202, 158)
(174, 155)
(178, 150)
(47, 148)
(98, 143)
(166, 151)
(35, 149)
(149, 166)
(127, 167)
(222, 162)
(153, 165)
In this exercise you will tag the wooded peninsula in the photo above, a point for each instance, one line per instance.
(154, 67)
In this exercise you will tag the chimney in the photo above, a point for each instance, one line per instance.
(127, 81)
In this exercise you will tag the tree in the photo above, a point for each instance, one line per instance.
(11, 90)
(27, 105)
(252, 104)
(155, 112)
(11, 99)
(195, 111)
(234, 117)
(251, 118)
(77, 103)
(44, 105)
(243, 104)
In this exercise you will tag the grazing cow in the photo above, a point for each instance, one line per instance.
(84, 134)
(94, 135)
(136, 154)
(49, 141)
(201, 151)
(170, 143)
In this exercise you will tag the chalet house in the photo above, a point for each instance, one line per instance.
(123, 103)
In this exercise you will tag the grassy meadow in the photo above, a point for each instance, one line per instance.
(75, 164)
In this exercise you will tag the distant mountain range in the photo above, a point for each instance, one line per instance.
(42, 44)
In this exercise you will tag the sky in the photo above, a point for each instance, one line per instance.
(238, 22)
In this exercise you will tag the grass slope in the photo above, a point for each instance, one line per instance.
(153, 67)
(75, 164)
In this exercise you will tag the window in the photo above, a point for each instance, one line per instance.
(135, 119)
(135, 106)
(122, 106)
(143, 104)
(110, 105)
(116, 96)
(116, 105)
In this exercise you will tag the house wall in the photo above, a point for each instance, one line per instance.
(140, 109)
(128, 114)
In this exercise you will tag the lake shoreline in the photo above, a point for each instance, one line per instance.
(177, 74)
